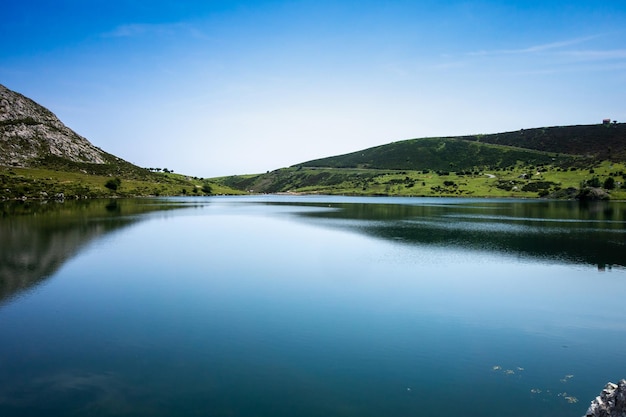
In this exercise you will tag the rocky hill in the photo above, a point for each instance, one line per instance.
(41, 158)
(31, 136)
(29, 133)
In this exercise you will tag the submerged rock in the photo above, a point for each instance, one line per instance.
(611, 402)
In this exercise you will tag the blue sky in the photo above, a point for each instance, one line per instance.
(214, 88)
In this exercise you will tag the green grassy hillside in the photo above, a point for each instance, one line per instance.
(554, 161)
(47, 183)
(561, 146)
(603, 142)
(441, 154)
(521, 181)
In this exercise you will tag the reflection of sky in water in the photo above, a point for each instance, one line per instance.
(587, 241)
(254, 309)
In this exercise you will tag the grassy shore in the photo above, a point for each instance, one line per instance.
(515, 182)
(42, 183)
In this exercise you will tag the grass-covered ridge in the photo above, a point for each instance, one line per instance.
(47, 183)
(520, 181)
(561, 146)
(560, 162)
(441, 154)
(556, 162)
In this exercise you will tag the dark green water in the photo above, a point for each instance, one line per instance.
(310, 306)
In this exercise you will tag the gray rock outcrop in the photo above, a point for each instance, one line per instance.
(611, 402)
(29, 132)
(592, 193)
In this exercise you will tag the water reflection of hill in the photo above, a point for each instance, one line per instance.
(37, 239)
(570, 232)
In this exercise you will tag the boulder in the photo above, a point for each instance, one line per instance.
(592, 193)
(611, 402)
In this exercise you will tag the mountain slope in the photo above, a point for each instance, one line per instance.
(600, 141)
(562, 162)
(437, 154)
(31, 136)
(29, 133)
(42, 158)
(561, 146)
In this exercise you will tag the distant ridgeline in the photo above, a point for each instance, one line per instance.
(585, 161)
(562, 145)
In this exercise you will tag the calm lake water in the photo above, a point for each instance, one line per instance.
(310, 306)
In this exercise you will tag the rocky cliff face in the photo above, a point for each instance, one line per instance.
(611, 402)
(29, 132)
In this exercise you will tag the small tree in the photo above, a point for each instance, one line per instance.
(113, 184)
(609, 183)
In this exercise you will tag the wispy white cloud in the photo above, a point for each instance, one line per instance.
(597, 55)
(450, 65)
(562, 56)
(141, 29)
(595, 67)
(535, 48)
(132, 30)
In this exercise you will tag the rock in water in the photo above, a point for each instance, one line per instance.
(611, 402)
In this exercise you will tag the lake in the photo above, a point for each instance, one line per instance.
(310, 306)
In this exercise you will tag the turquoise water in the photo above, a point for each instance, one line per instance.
(311, 306)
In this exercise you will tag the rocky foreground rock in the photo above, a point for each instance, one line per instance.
(611, 402)
(29, 132)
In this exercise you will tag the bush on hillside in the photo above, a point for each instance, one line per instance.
(113, 184)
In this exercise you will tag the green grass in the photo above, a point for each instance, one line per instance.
(441, 154)
(42, 183)
(520, 181)
(562, 146)
(514, 164)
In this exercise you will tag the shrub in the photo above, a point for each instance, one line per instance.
(594, 182)
(113, 184)
(537, 186)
